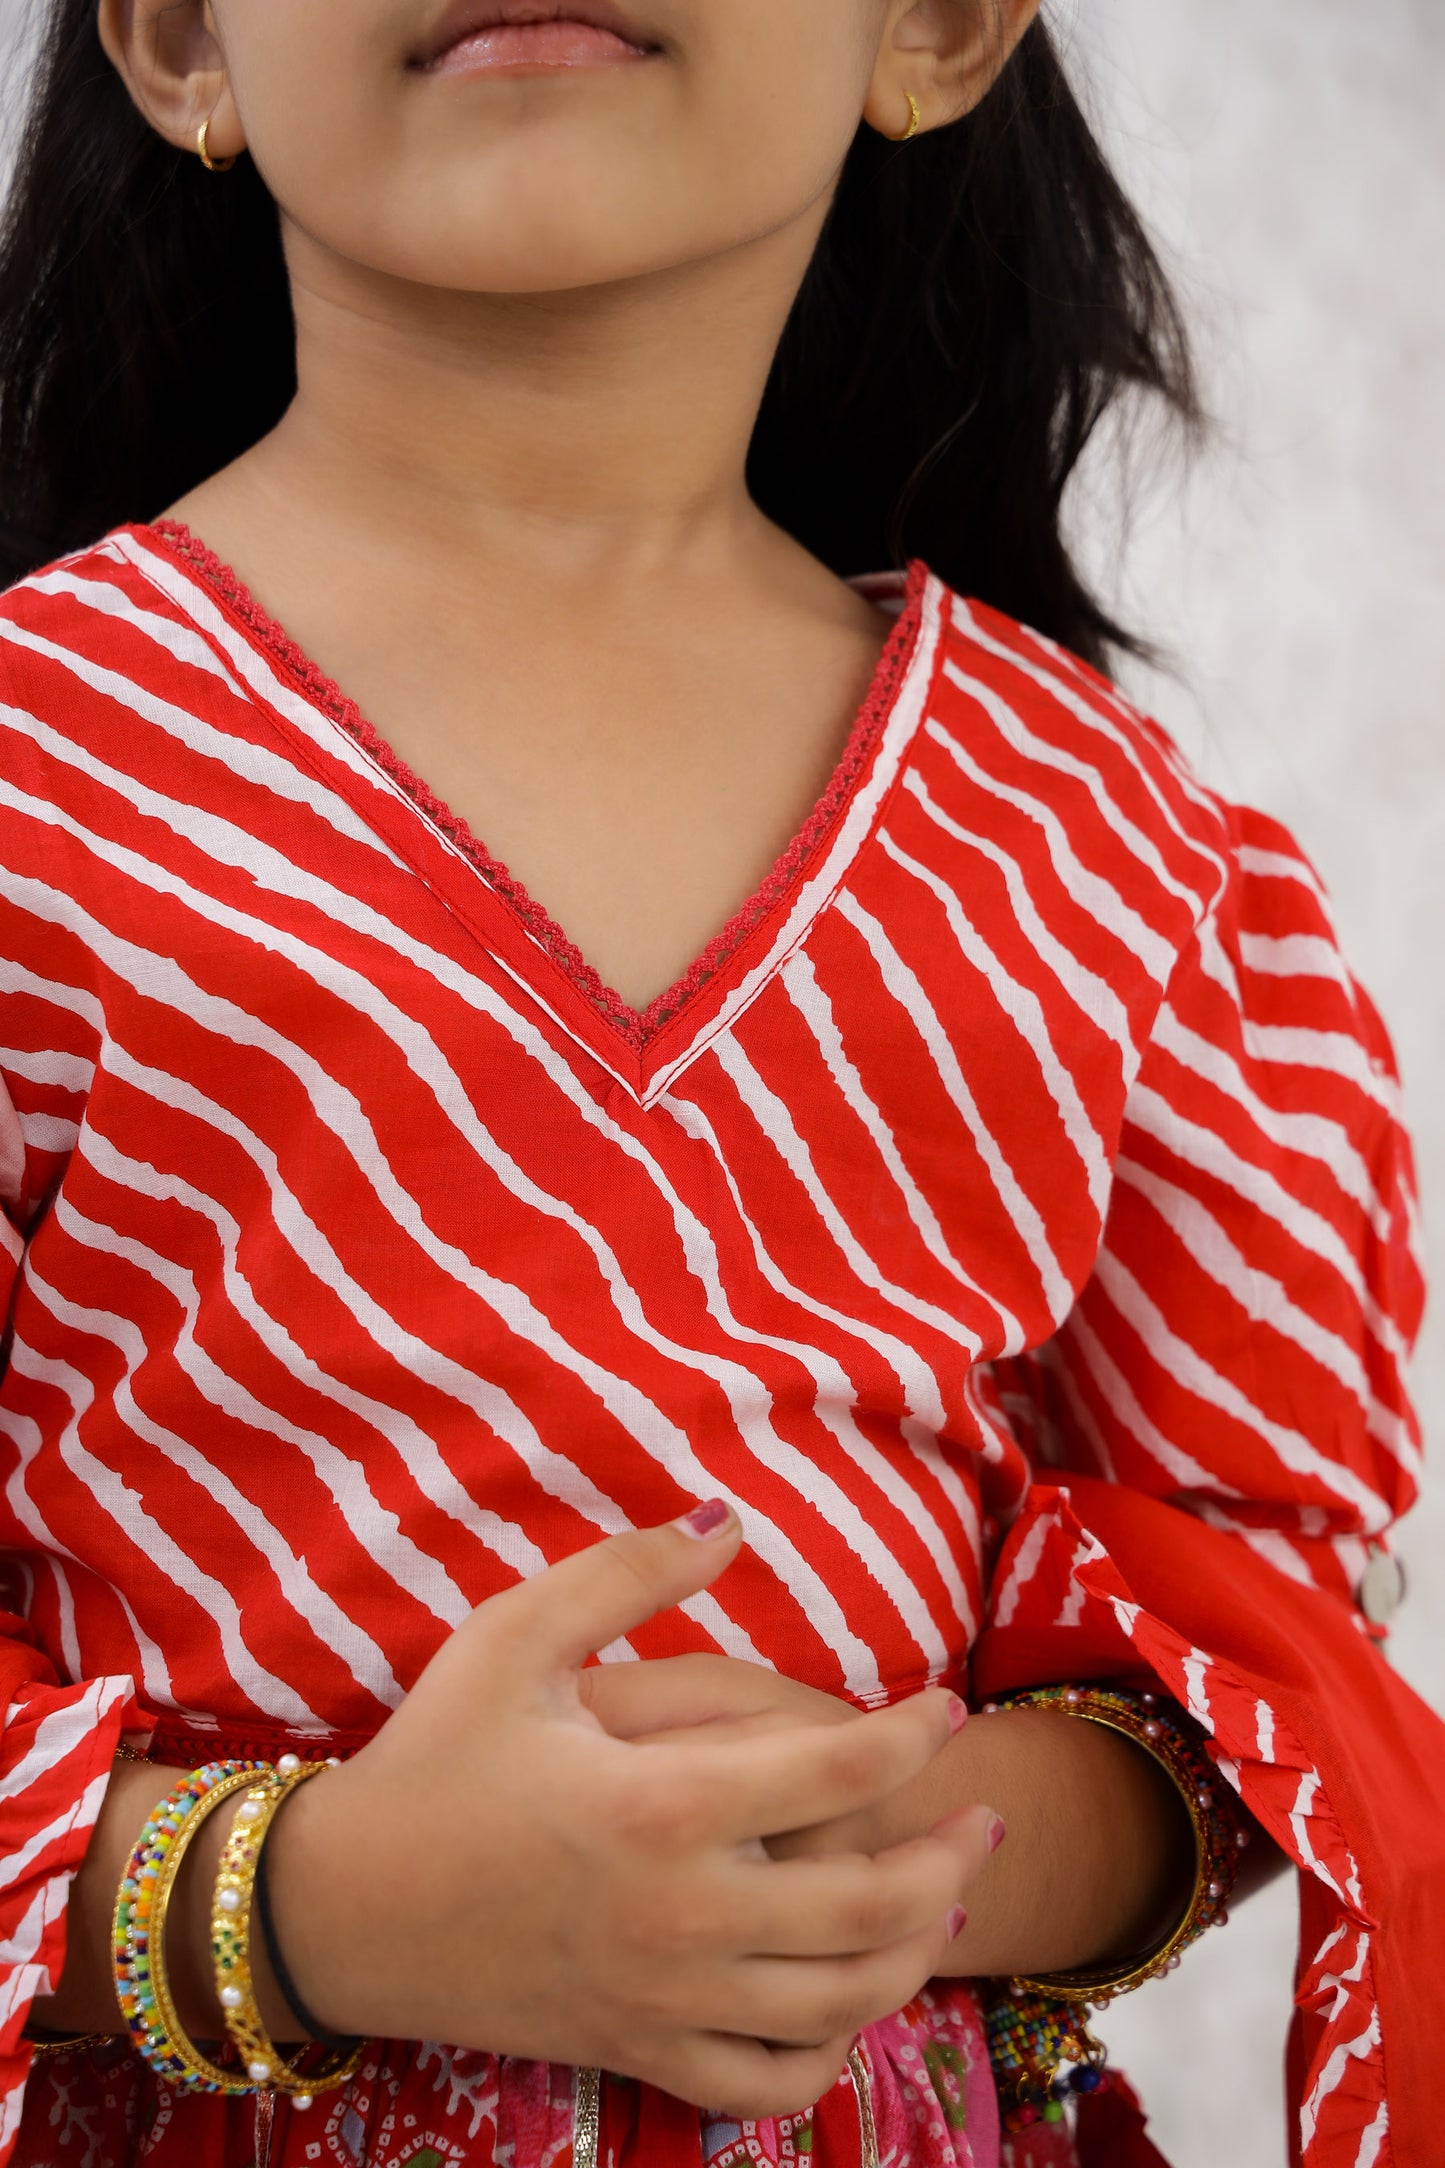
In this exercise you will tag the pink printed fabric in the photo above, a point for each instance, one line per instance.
(930, 2089)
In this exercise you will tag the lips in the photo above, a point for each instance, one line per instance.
(513, 32)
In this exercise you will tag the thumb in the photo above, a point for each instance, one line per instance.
(555, 1621)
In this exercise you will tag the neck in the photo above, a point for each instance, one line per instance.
(604, 431)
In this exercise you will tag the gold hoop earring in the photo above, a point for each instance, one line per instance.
(915, 117)
(212, 165)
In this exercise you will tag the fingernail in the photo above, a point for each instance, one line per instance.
(706, 1520)
(997, 1831)
(956, 1922)
(957, 1713)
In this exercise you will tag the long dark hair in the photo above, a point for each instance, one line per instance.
(981, 300)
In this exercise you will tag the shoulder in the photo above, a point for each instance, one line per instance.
(91, 637)
(1024, 736)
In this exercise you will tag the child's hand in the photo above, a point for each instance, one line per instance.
(496, 1871)
(700, 1699)
(677, 1698)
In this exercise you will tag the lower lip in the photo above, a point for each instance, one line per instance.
(512, 46)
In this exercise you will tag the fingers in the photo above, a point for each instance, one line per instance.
(555, 1621)
(834, 1907)
(798, 2001)
(632, 1701)
(747, 2079)
(814, 1773)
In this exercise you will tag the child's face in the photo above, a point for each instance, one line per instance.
(715, 123)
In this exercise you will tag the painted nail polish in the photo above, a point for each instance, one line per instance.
(997, 1831)
(956, 1922)
(957, 1713)
(705, 1520)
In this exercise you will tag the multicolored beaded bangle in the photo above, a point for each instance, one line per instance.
(263, 2062)
(1220, 1830)
(1033, 2040)
(142, 1985)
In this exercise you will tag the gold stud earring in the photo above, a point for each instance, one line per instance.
(915, 114)
(212, 165)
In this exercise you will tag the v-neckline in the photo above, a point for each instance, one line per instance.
(637, 1029)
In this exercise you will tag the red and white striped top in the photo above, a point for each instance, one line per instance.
(368, 1254)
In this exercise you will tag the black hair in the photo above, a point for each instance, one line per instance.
(981, 300)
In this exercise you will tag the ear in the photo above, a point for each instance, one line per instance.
(946, 54)
(169, 56)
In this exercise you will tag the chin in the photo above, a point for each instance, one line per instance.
(537, 250)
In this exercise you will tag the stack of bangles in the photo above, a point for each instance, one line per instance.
(1040, 2045)
(247, 2061)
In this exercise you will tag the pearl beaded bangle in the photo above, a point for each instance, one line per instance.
(1042, 2051)
(1219, 1825)
(265, 2067)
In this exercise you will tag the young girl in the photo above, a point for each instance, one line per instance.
(978, 1276)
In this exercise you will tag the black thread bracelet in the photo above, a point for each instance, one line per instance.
(281, 1971)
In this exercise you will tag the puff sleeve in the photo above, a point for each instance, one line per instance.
(1222, 1443)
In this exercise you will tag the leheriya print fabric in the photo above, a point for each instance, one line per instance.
(1010, 1213)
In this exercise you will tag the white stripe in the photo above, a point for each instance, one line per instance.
(1130, 738)
(1095, 896)
(1140, 845)
(126, 1509)
(1098, 1000)
(250, 763)
(61, 1731)
(1313, 1136)
(907, 990)
(48, 1132)
(1189, 1369)
(1124, 1405)
(75, 1814)
(1196, 1670)
(926, 1418)
(1280, 866)
(1206, 1150)
(1295, 956)
(70, 1072)
(394, 1426)
(26, 1437)
(1373, 2139)
(22, 1980)
(106, 598)
(775, 1121)
(1026, 1560)
(1266, 1300)
(801, 983)
(333, 1628)
(1361, 2049)
(1025, 1012)
(1054, 1363)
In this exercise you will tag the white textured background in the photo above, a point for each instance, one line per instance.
(1292, 159)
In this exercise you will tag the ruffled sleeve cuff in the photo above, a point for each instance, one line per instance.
(1333, 1756)
(57, 1749)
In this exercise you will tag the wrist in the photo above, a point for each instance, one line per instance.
(314, 1885)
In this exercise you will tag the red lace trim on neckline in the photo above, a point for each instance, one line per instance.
(635, 1027)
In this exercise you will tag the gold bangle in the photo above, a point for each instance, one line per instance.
(1219, 1835)
(261, 2059)
(176, 2040)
